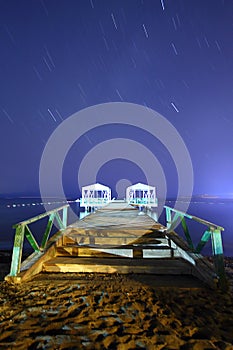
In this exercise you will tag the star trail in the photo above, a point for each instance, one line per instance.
(58, 57)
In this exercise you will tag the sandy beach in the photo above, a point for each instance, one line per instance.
(96, 311)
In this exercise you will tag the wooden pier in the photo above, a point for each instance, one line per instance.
(115, 239)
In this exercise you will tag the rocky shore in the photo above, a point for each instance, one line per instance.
(78, 311)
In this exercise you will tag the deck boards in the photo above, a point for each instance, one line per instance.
(116, 224)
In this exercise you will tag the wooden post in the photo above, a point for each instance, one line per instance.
(17, 250)
(218, 257)
(168, 218)
(64, 216)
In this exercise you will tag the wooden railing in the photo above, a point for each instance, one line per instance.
(22, 230)
(213, 232)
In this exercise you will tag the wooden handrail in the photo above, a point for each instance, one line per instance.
(201, 221)
(22, 230)
(41, 216)
(213, 232)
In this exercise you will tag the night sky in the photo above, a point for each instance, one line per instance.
(58, 57)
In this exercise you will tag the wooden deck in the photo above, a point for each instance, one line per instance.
(117, 239)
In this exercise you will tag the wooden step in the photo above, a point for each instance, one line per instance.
(84, 239)
(111, 251)
(114, 240)
(116, 265)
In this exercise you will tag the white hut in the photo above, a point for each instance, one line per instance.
(141, 195)
(96, 195)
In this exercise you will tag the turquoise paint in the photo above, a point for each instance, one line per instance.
(187, 234)
(204, 239)
(17, 250)
(47, 231)
(31, 239)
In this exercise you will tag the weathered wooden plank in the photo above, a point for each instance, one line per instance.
(106, 251)
(114, 265)
(115, 224)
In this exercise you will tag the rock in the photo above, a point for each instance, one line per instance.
(133, 329)
(109, 342)
(189, 331)
(126, 318)
(173, 341)
(201, 344)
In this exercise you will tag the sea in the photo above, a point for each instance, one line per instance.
(13, 210)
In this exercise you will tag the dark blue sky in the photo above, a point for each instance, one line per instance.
(60, 56)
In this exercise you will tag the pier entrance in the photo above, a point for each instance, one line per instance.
(118, 238)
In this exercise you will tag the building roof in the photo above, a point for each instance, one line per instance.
(96, 187)
(140, 186)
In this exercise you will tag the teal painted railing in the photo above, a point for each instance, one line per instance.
(144, 201)
(22, 230)
(93, 201)
(213, 233)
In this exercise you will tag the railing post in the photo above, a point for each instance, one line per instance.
(168, 218)
(64, 216)
(17, 250)
(218, 257)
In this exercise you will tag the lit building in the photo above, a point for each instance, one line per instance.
(95, 196)
(141, 195)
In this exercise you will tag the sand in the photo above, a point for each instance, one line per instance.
(78, 311)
